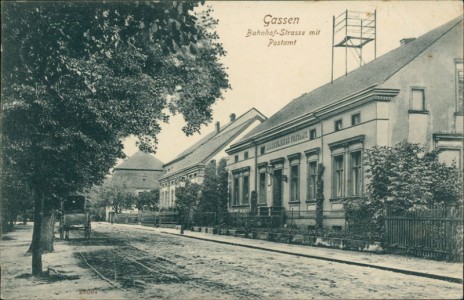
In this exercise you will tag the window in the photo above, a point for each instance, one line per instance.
(246, 185)
(236, 158)
(459, 87)
(312, 134)
(355, 119)
(312, 179)
(262, 150)
(417, 99)
(346, 170)
(240, 187)
(356, 173)
(262, 188)
(338, 125)
(236, 191)
(245, 155)
(338, 176)
(294, 183)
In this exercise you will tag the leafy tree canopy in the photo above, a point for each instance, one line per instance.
(209, 189)
(79, 76)
(214, 189)
(117, 197)
(223, 185)
(187, 197)
(148, 201)
(405, 178)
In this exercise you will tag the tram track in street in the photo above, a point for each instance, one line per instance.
(161, 265)
(111, 282)
(120, 265)
(340, 261)
(128, 266)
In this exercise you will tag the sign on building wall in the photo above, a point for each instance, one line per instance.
(287, 140)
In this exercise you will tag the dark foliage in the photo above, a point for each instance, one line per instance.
(78, 77)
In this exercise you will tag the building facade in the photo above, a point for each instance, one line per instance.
(190, 164)
(139, 173)
(316, 142)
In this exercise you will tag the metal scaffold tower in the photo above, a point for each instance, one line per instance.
(353, 30)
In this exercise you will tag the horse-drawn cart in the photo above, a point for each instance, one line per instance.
(73, 216)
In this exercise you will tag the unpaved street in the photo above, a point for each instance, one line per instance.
(148, 264)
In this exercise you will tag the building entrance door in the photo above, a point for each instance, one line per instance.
(277, 188)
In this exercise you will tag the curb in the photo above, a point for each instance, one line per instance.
(402, 271)
(347, 262)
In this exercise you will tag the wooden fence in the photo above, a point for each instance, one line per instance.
(434, 233)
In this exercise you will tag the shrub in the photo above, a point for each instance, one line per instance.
(403, 178)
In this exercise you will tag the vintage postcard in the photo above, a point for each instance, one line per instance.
(232, 150)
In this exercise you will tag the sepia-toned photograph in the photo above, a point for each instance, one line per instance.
(232, 150)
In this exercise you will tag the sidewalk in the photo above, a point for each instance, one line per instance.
(67, 279)
(448, 271)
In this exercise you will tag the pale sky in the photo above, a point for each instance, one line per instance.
(269, 77)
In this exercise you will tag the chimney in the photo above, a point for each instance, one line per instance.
(406, 41)
(218, 127)
(232, 117)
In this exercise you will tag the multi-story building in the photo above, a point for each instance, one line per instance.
(190, 164)
(413, 93)
(138, 173)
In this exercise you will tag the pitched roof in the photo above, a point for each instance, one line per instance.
(212, 143)
(141, 161)
(373, 73)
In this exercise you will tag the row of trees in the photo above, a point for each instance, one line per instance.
(78, 77)
(210, 196)
(120, 198)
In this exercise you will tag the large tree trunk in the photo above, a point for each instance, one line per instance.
(6, 215)
(36, 246)
(24, 217)
(48, 233)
